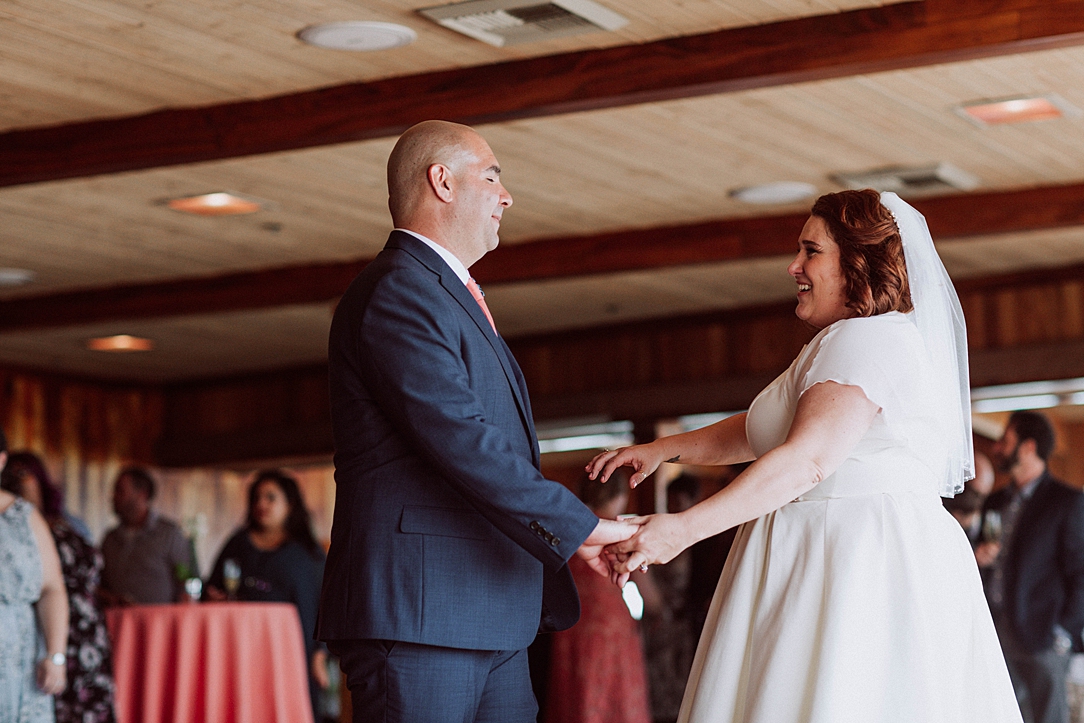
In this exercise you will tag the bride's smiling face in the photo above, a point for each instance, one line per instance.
(822, 298)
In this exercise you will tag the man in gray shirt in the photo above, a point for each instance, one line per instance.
(147, 556)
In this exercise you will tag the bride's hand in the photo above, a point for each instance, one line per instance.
(659, 540)
(643, 458)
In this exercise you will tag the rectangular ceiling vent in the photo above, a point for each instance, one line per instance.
(911, 181)
(511, 22)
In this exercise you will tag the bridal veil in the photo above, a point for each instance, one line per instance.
(940, 321)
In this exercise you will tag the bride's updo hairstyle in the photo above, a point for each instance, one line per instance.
(870, 251)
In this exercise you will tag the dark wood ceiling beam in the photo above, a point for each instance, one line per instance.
(957, 216)
(204, 295)
(903, 35)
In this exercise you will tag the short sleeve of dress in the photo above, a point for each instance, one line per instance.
(872, 353)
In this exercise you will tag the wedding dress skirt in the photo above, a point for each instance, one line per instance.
(861, 600)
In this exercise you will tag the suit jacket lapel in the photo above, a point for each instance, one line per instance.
(459, 292)
(1033, 508)
(529, 417)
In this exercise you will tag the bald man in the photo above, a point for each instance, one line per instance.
(449, 548)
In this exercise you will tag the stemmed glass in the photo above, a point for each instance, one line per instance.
(231, 578)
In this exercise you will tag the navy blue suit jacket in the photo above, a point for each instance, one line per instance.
(445, 532)
(1044, 571)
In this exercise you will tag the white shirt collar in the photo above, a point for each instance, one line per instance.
(1029, 489)
(449, 258)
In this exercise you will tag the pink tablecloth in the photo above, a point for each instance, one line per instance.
(209, 663)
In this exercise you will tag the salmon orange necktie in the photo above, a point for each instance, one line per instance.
(480, 297)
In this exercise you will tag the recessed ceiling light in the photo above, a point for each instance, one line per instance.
(16, 277)
(1017, 110)
(779, 192)
(358, 35)
(120, 342)
(214, 204)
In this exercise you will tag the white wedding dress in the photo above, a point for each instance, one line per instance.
(860, 601)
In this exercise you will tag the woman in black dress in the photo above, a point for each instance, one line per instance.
(275, 558)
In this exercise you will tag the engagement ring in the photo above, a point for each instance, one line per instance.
(643, 567)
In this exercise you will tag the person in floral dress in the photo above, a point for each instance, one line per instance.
(89, 695)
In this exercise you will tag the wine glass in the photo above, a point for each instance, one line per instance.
(991, 526)
(193, 589)
(231, 578)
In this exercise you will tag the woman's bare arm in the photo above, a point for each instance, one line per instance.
(52, 608)
(829, 422)
(721, 443)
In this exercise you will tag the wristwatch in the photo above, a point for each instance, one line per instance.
(58, 658)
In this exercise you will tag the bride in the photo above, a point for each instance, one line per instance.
(850, 595)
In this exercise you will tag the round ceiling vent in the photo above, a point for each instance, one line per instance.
(358, 35)
(780, 192)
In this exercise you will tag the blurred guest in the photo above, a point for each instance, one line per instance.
(597, 666)
(966, 507)
(146, 556)
(669, 642)
(88, 697)
(708, 558)
(275, 558)
(31, 469)
(30, 582)
(1034, 574)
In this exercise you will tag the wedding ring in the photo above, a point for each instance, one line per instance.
(643, 567)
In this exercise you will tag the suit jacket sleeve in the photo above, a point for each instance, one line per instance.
(422, 348)
(1071, 557)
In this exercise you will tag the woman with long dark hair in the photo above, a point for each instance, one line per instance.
(275, 558)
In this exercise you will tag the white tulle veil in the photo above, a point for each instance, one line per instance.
(940, 321)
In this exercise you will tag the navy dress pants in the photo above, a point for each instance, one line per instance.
(397, 682)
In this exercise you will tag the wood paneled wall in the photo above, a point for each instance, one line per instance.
(273, 416)
(647, 370)
(1024, 328)
(1067, 461)
(84, 431)
(46, 413)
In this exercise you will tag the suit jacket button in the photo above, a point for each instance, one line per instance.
(535, 525)
(555, 541)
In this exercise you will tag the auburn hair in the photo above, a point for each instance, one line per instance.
(870, 251)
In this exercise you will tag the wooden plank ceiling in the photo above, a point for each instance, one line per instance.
(648, 169)
(72, 60)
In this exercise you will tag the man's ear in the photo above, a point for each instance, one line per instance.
(441, 181)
